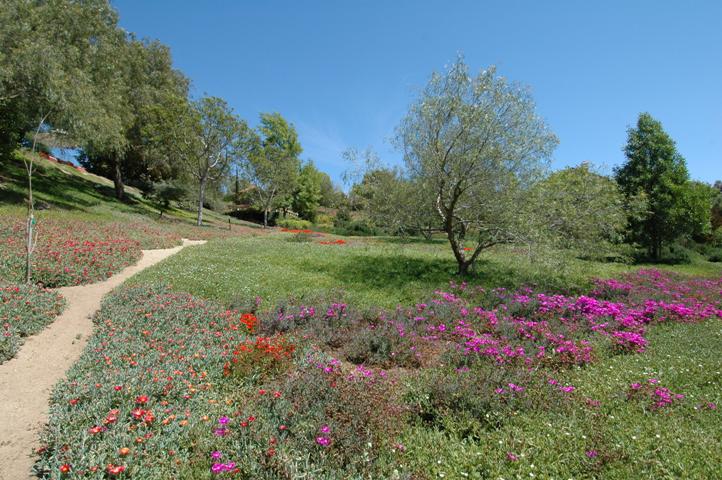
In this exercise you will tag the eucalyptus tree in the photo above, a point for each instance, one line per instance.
(273, 163)
(473, 145)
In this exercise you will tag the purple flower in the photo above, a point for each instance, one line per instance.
(592, 453)
(511, 457)
(567, 389)
(215, 455)
(224, 420)
(323, 441)
(515, 388)
(217, 468)
(325, 429)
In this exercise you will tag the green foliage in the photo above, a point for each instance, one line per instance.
(71, 99)
(272, 164)
(577, 209)
(675, 254)
(331, 196)
(716, 213)
(471, 144)
(654, 169)
(357, 228)
(343, 217)
(307, 196)
(146, 80)
(294, 223)
(163, 194)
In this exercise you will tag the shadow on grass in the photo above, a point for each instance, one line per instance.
(401, 276)
(60, 190)
(411, 240)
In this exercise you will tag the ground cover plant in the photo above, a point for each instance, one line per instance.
(24, 311)
(80, 249)
(622, 380)
(69, 252)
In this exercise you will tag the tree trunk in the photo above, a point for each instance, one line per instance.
(118, 180)
(463, 268)
(201, 198)
(29, 248)
(31, 237)
(265, 218)
(30, 224)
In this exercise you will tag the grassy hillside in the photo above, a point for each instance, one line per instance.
(70, 191)
(84, 234)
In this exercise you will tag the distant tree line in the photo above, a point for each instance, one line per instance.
(476, 153)
(71, 77)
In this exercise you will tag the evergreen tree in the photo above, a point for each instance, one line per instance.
(655, 170)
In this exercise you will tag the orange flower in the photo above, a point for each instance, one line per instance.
(124, 451)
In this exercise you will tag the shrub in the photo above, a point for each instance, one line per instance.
(294, 223)
(676, 254)
(715, 255)
(324, 220)
(358, 228)
(302, 237)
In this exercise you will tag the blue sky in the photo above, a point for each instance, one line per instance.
(344, 72)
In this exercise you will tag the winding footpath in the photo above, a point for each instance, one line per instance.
(27, 380)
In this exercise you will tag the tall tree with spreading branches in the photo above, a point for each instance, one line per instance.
(273, 162)
(474, 144)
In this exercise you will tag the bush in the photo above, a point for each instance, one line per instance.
(294, 223)
(715, 255)
(676, 254)
(357, 228)
(324, 220)
(343, 217)
(301, 237)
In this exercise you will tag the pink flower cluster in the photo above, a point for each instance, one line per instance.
(658, 397)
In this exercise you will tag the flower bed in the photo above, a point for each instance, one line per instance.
(68, 252)
(174, 387)
(24, 311)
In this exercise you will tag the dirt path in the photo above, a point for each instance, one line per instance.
(27, 379)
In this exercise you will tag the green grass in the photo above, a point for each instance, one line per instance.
(369, 271)
(68, 191)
